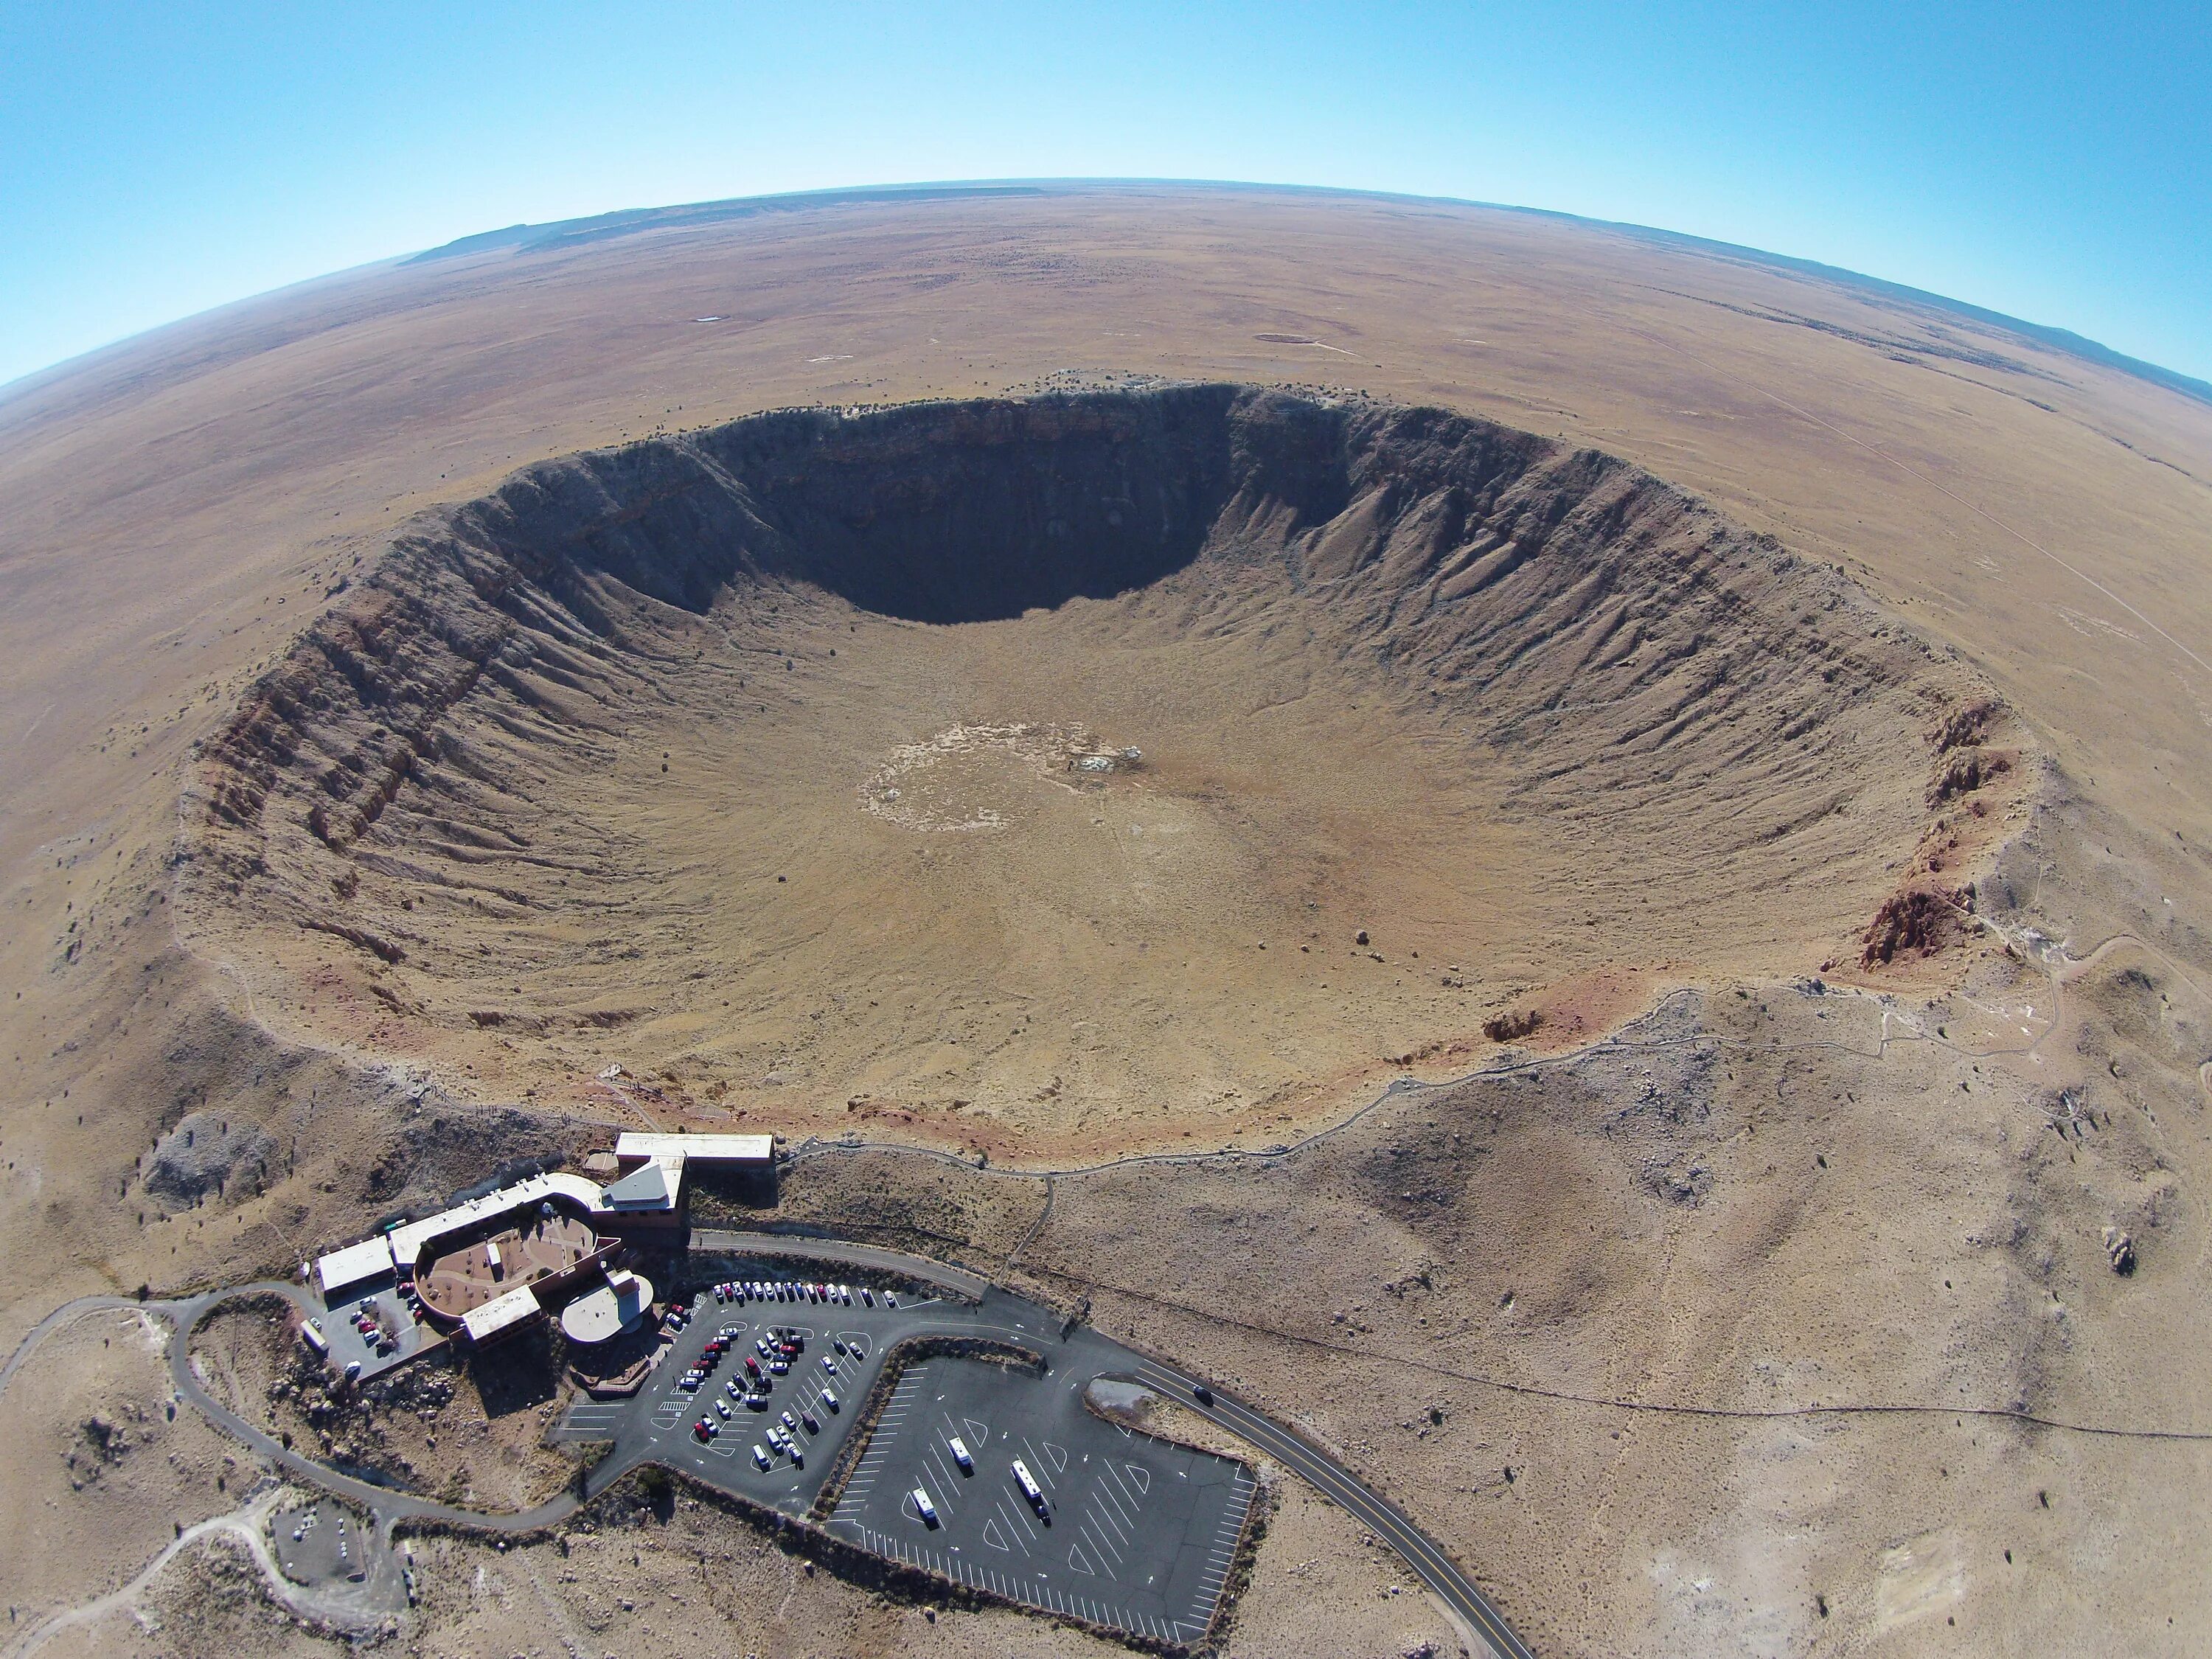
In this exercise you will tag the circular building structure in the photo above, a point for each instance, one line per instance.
(606, 1311)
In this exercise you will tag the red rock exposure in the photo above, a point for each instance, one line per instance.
(1924, 917)
(1513, 1024)
(1916, 922)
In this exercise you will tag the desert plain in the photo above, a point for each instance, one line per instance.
(1732, 737)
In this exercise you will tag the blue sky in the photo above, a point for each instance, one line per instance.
(2053, 162)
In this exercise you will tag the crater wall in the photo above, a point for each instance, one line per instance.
(582, 758)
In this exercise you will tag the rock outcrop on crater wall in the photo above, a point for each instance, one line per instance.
(1547, 710)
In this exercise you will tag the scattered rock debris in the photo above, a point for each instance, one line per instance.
(2119, 1250)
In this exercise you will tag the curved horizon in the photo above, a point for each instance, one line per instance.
(523, 237)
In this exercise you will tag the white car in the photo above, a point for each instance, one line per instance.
(829, 1399)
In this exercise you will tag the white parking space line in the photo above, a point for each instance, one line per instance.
(1110, 1514)
(936, 1463)
(1019, 1526)
(1109, 1557)
(1121, 1483)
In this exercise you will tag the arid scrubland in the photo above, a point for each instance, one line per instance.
(1746, 753)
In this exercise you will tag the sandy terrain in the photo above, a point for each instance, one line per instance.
(465, 1433)
(101, 1470)
(1898, 1189)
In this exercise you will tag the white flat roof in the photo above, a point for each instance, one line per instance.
(349, 1265)
(651, 1186)
(708, 1149)
(407, 1242)
(606, 1312)
(499, 1314)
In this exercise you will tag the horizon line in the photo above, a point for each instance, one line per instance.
(524, 237)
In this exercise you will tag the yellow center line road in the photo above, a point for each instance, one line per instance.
(1429, 1562)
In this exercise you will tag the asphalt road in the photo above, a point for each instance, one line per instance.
(640, 1436)
(1134, 1533)
(1421, 1552)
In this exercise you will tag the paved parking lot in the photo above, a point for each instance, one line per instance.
(659, 1420)
(1135, 1534)
(1132, 1532)
(348, 1346)
(320, 1543)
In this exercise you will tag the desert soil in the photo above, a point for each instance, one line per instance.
(1549, 1308)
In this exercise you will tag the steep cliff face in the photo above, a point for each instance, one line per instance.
(1660, 722)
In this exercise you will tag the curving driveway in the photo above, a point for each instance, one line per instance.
(1081, 1352)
